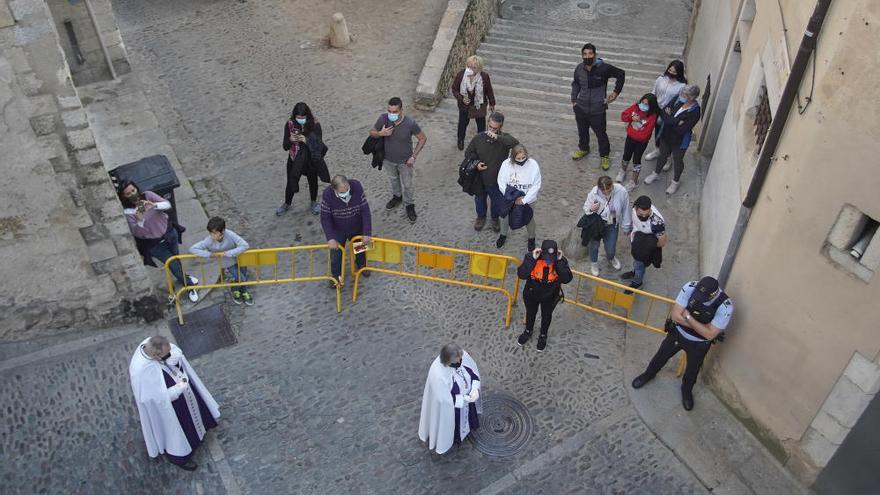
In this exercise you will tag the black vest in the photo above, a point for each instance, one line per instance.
(703, 313)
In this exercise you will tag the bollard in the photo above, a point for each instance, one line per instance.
(339, 36)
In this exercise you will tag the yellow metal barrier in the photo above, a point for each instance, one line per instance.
(606, 298)
(439, 264)
(280, 263)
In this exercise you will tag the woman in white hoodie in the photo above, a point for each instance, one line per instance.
(611, 202)
(667, 88)
(523, 173)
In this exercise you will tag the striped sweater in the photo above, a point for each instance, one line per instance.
(345, 219)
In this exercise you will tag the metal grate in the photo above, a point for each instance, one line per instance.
(762, 118)
(206, 330)
(505, 426)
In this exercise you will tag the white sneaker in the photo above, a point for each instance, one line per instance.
(652, 155)
(667, 166)
(651, 178)
(620, 176)
(615, 263)
(629, 186)
(594, 269)
(673, 186)
(193, 296)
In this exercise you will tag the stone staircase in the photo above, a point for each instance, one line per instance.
(532, 65)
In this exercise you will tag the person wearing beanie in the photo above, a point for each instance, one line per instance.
(544, 269)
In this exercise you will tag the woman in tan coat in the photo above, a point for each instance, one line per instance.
(473, 90)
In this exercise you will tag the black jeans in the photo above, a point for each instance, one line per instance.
(534, 299)
(293, 182)
(677, 159)
(696, 352)
(595, 121)
(464, 120)
(634, 149)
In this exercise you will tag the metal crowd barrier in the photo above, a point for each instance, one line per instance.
(462, 267)
(607, 298)
(264, 266)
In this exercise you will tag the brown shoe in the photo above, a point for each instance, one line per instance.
(479, 223)
(496, 226)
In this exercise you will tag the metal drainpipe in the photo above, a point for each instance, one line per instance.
(786, 101)
(101, 39)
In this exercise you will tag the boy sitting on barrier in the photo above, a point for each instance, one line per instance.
(229, 245)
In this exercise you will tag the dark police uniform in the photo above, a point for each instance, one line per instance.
(716, 311)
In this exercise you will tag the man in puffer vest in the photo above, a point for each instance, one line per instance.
(544, 269)
(701, 313)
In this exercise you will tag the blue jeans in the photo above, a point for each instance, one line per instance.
(639, 272)
(481, 202)
(167, 249)
(609, 238)
(231, 274)
(360, 260)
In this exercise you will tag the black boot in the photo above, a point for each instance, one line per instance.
(641, 380)
(542, 342)
(500, 242)
(524, 337)
(461, 144)
(687, 399)
(531, 244)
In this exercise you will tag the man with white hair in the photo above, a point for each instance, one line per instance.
(451, 402)
(176, 410)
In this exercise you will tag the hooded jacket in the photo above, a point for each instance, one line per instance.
(589, 88)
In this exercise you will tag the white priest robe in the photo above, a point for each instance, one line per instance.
(162, 430)
(444, 404)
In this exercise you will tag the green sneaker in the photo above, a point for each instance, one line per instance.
(604, 162)
(578, 154)
(247, 298)
(236, 297)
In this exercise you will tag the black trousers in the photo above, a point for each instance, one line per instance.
(677, 159)
(464, 120)
(633, 149)
(696, 352)
(595, 121)
(293, 182)
(546, 302)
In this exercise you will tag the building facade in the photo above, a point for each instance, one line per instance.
(802, 361)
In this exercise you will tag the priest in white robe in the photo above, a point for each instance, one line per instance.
(176, 410)
(451, 404)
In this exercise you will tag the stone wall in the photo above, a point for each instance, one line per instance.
(66, 255)
(462, 29)
(94, 66)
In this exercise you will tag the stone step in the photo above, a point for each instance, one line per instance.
(614, 54)
(597, 37)
(523, 75)
(528, 96)
(502, 55)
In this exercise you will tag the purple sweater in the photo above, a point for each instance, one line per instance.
(339, 217)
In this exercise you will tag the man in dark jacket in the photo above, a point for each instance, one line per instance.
(545, 270)
(590, 99)
(345, 213)
(491, 148)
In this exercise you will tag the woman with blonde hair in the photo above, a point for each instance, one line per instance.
(473, 91)
(519, 181)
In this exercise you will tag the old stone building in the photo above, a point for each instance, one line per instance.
(789, 214)
(68, 258)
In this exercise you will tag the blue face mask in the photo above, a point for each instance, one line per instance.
(682, 99)
(301, 121)
(344, 196)
(644, 107)
(392, 117)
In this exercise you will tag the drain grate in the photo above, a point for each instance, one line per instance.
(205, 331)
(505, 426)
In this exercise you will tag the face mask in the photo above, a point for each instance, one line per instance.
(455, 365)
(392, 117)
(344, 196)
(682, 99)
(644, 218)
(520, 162)
(301, 121)
(172, 359)
(468, 71)
(670, 75)
(589, 60)
(644, 107)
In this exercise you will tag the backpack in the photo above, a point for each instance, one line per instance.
(468, 176)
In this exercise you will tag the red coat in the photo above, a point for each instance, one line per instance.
(642, 135)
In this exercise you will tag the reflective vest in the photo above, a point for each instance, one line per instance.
(544, 272)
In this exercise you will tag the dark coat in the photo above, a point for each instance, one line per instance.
(535, 290)
(488, 96)
(644, 248)
(517, 215)
(677, 131)
(310, 159)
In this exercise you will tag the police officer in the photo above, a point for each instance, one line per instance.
(701, 313)
(544, 270)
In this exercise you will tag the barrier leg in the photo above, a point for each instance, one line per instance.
(507, 318)
(177, 307)
(682, 362)
(338, 299)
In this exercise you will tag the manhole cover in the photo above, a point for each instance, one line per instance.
(505, 426)
(205, 330)
(585, 5)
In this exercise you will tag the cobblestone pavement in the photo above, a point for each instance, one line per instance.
(312, 401)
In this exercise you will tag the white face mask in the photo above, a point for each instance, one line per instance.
(468, 71)
(174, 358)
(344, 196)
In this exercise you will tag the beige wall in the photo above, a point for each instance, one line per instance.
(799, 317)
